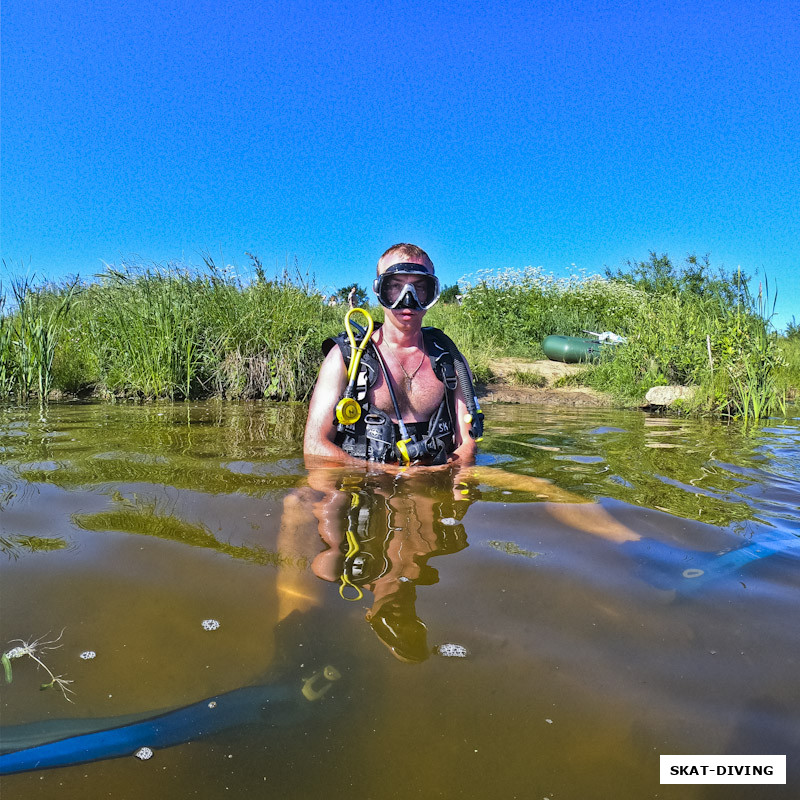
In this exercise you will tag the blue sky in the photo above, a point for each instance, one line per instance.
(494, 135)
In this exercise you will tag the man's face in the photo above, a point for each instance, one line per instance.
(394, 285)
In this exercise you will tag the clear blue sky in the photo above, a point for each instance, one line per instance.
(492, 134)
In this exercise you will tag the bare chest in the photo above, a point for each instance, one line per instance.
(417, 389)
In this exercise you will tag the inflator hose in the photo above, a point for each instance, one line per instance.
(470, 398)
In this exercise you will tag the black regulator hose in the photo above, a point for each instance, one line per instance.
(474, 413)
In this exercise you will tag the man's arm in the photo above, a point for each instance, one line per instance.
(320, 428)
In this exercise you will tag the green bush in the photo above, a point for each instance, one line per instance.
(172, 332)
(517, 309)
(694, 330)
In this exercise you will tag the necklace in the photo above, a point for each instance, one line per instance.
(408, 378)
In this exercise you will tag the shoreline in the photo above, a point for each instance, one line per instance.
(504, 389)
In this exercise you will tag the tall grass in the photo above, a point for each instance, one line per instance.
(167, 332)
(687, 325)
(717, 338)
(29, 336)
(171, 332)
(515, 309)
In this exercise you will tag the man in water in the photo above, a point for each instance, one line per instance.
(406, 287)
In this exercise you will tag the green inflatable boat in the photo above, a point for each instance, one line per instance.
(571, 349)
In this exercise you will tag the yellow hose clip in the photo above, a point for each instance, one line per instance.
(348, 410)
(402, 446)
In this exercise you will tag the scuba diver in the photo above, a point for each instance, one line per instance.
(403, 395)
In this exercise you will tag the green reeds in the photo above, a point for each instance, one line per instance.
(166, 332)
(719, 340)
(753, 372)
(153, 332)
(29, 334)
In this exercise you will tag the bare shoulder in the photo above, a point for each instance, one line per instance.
(330, 385)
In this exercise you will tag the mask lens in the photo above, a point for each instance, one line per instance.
(401, 288)
(423, 289)
(391, 289)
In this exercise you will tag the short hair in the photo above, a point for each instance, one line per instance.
(407, 251)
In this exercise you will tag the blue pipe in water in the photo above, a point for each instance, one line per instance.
(277, 703)
(766, 545)
(668, 567)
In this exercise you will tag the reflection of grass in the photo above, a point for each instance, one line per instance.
(212, 479)
(512, 549)
(13, 546)
(145, 518)
(689, 480)
(187, 447)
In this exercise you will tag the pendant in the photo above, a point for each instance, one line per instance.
(407, 382)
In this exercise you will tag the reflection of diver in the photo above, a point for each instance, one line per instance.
(390, 527)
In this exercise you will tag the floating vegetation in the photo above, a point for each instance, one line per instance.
(512, 549)
(34, 650)
(15, 545)
(144, 517)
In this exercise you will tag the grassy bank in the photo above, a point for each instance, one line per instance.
(168, 332)
(686, 325)
(164, 332)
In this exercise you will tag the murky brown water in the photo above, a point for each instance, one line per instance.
(559, 565)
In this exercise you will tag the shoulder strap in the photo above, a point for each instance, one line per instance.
(368, 366)
(441, 356)
(441, 341)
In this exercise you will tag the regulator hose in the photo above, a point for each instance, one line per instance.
(474, 414)
(348, 410)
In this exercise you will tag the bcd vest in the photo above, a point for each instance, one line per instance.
(374, 436)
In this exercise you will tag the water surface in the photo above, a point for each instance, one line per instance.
(559, 566)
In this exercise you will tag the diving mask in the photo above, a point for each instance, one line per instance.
(407, 286)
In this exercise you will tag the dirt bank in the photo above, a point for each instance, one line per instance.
(504, 389)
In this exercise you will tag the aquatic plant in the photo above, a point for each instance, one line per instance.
(35, 650)
(13, 546)
(148, 517)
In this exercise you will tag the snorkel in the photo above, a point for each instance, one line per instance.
(348, 401)
(348, 410)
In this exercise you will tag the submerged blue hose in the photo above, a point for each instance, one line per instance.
(275, 703)
(735, 560)
(668, 567)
